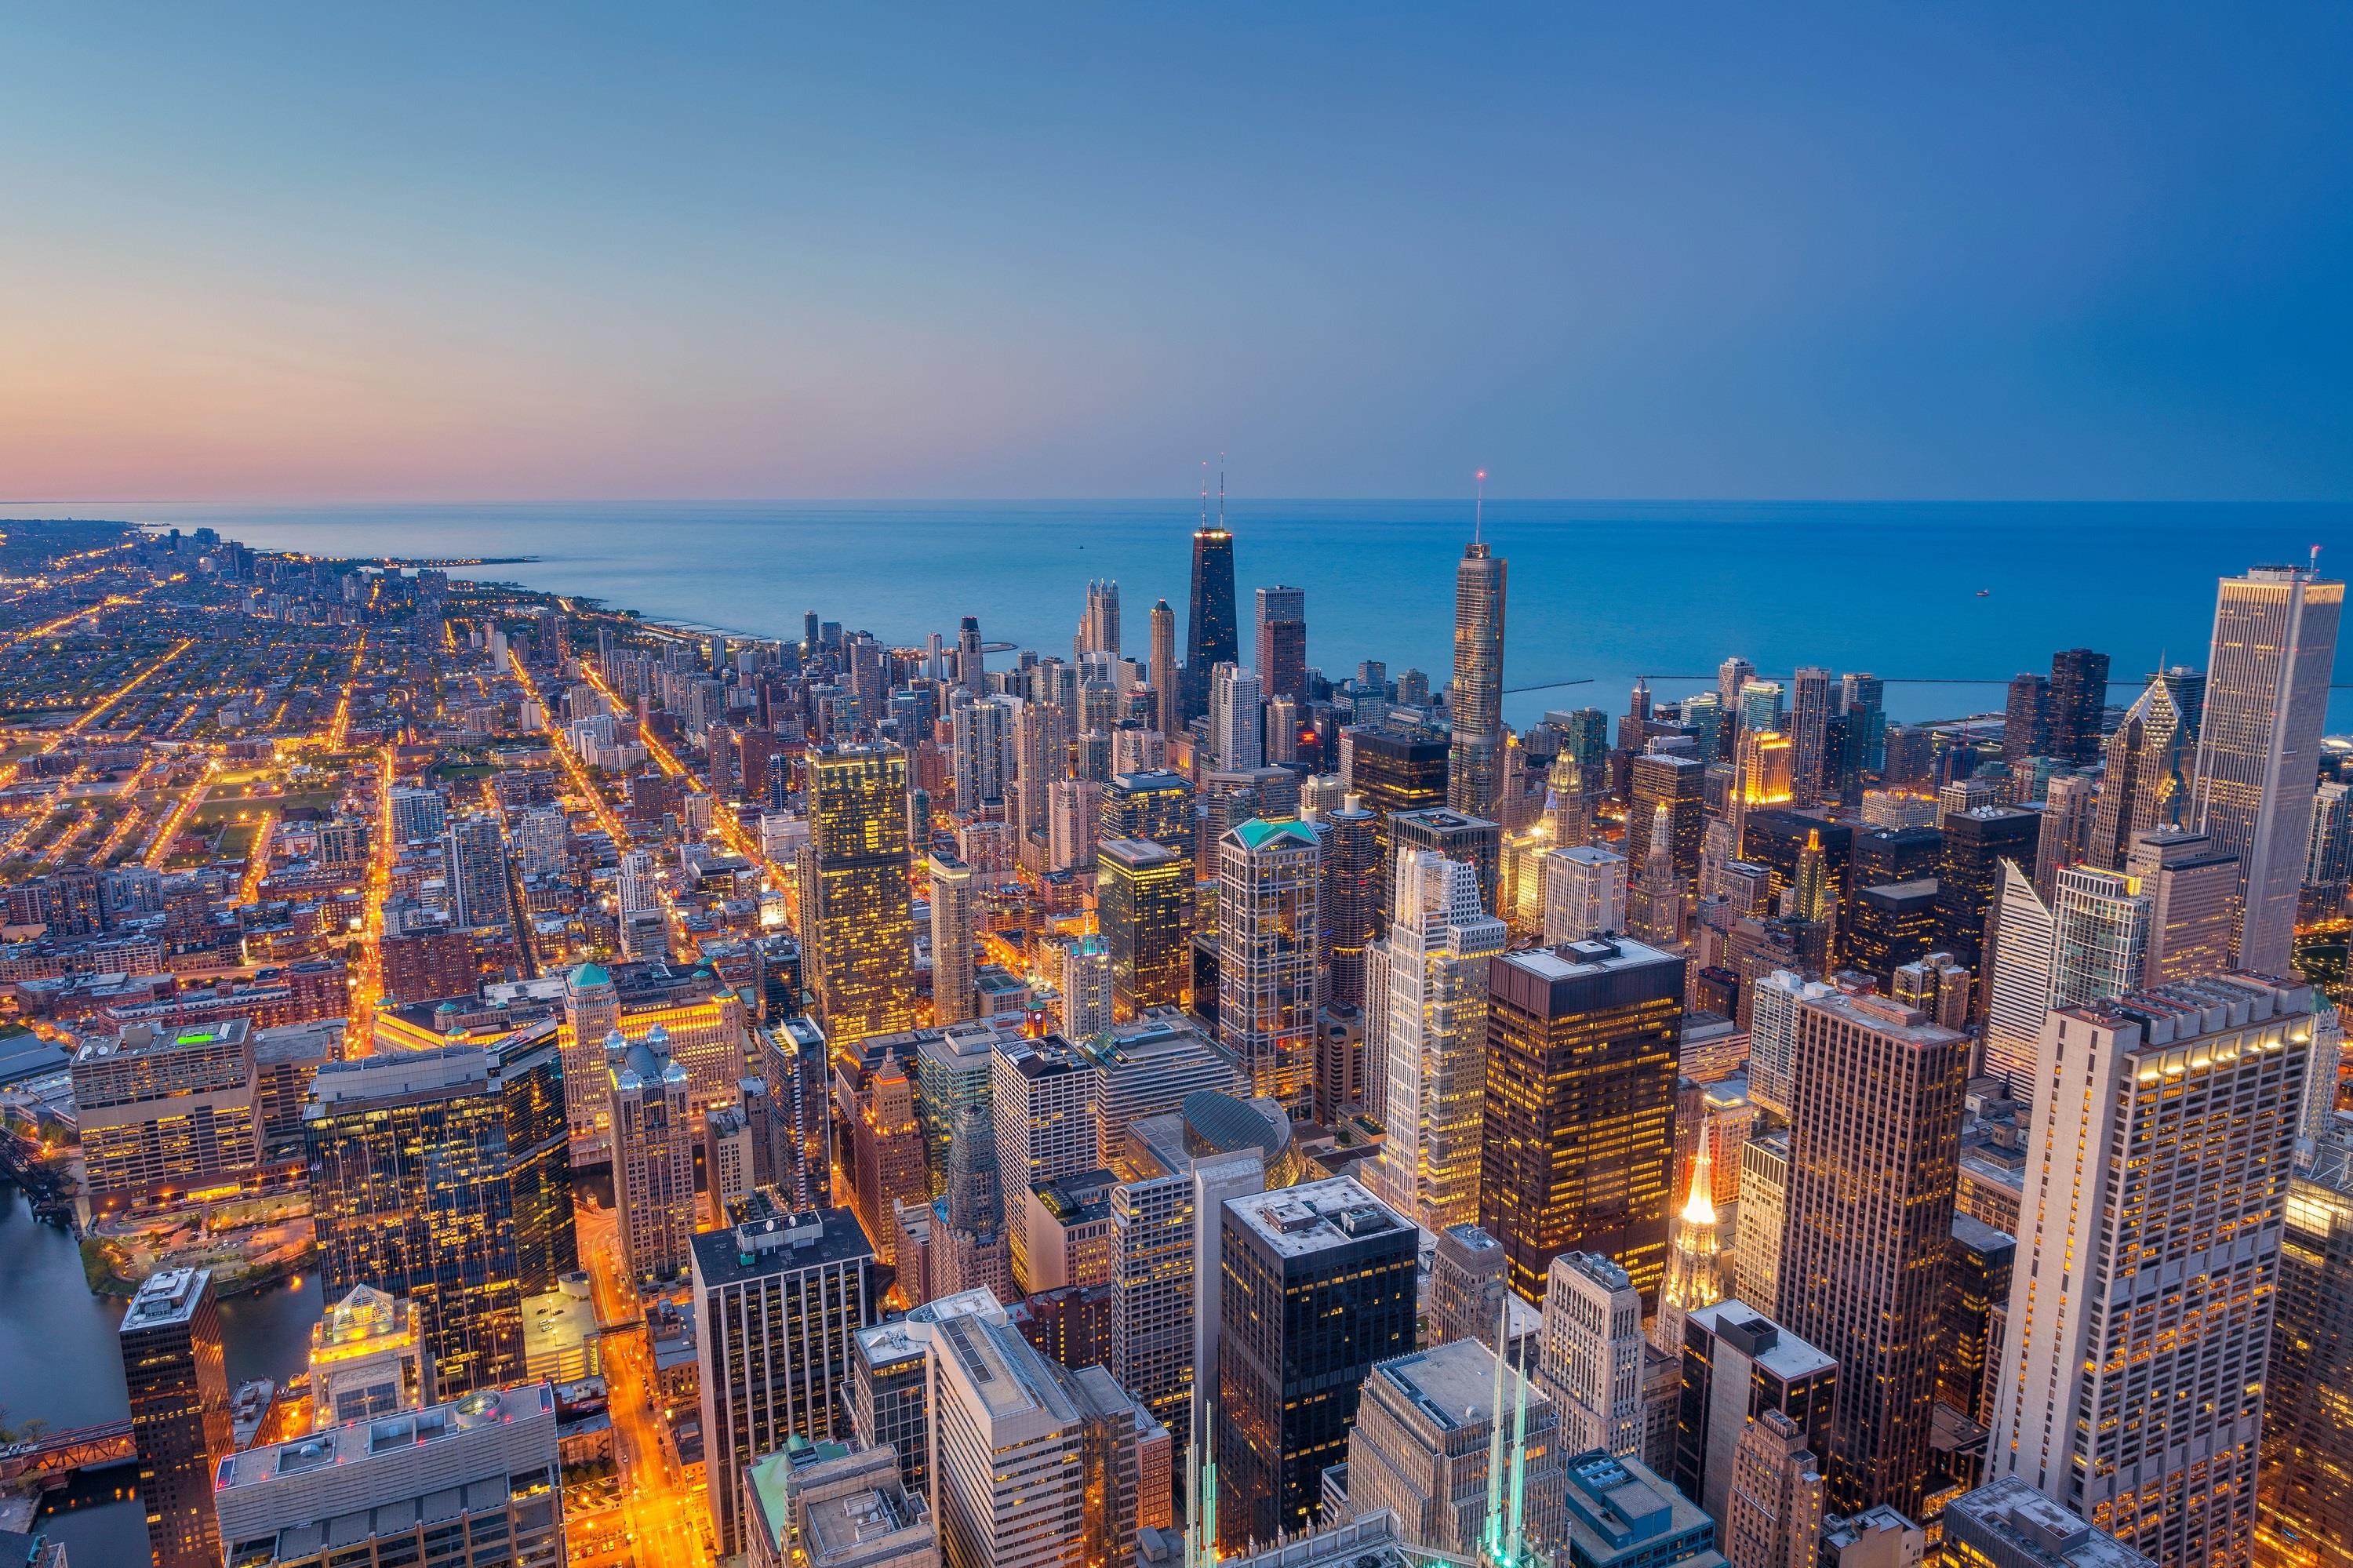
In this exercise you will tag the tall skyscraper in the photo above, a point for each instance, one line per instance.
(653, 1156)
(1268, 924)
(1810, 718)
(2009, 1524)
(2149, 760)
(1099, 625)
(1874, 1154)
(1425, 1438)
(975, 1252)
(2101, 936)
(1474, 770)
(445, 1176)
(1008, 1461)
(1579, 1148)
(1739, 1365)
(2266, 702)
(1440, 943)
(1764, 1220)
(1235, 734)
(1732, 677)
(856, 917)
(1390, 771)
(956, 996)
(2304, 1491)
(1773, 1509)
(1589, 1356)
(1282, 642)
(777, 1300)
(1968, 872)
(1678, 782)
(1086, 987)
(474, 862)
(1696, 1257)
(170, 1339)
(885, 1158)
(2018, 977)
(2079, 693)
(1319, 1282)
(970, 675)
(2166, 1119)
(1140, 888)
(1350, 897)
(1211, 631)
(1162, 673)
(980, 735)
(1584, 893)
(2193, 894)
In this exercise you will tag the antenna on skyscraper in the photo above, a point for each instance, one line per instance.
(1479, 506)
(1222, 493)
(1205, 496)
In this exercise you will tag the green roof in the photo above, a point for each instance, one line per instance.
(590, 974)
(1257, 832)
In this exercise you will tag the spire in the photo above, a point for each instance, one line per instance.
(1699, 1208)
(1514, 1541)
(1479, 509)
(1221, 490)
(1204, 499)
(1494, 1531)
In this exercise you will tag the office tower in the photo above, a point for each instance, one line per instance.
(1809, 714)
(171, 1340)
(1738, 1366)
(1165, 1247)
(1009, 1470)
(2328, 860)
(826, 1506)
(1764, 1219)
(857, 925)
(474, 862)
(1773, 1037)
(2079, 694)
(1622, 1514)
(1167, 718)
(1695, 1259)
(973, 1250)
(1156, 805)
(1863, 749)
(1127, 1463)
(968, 657)
(1466, 1288)
(1074, 810)
(1350, 897)
(1390, 772)
(980, 734)
(1679, 783)
(885, 1161)
(1041, 751)
(1041, 1097)
(1654, 905)
(777, 1299)
(368, 1358)
(1977, 1275)
(1475, 772)
(1968, 872)
(954, 997)
(1889, 927)
(1424, 1447)
(1210, 632)
(1268, 926)
(1140, 889)
(794, 1103)
(2009, 1524)
(1440, 943)
(1941, 989)
(1282, 642)
(1281, 726)
(1578, 1146)
(1764, 778)
(2147, 762)
(1875, 1146)
(1584, 893)
(1323, 1275)
(952, 1070)
(653, 1156)
(1773, 1507)
(2026, 718)
(1099, 624)
(2305, 1491)
(1760, 707)
(473, 1482)
(2193, 893)
(1590, 1353)
(1234, 733)
(1732, 677)
(2266, 702)
(1086, 987)
(445, 1176)
(2101, 928)
(2018, 977)
(165, 1111)
(2172, 1112)
(1474, 840)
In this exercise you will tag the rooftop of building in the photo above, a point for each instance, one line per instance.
(1572, 960)
(1007, 1375)
(1919, 887)
(1048, 1057)
(1453, 1384)
(166, 1297)
(1618, 1508)
(1979, 1237)
(1316, 1216)
(1842, 1533)
(1761, 1340)
(153, 1040)
(362, 1440)
(771, 1238)
(2173, 1014)
(1258, 833)
(1138, 851)
(1881, 1015)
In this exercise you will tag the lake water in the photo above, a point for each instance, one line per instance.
(1598, 590)
(59, 1362)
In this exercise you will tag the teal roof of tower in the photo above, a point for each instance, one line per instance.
(1257, 832)
(590, 974)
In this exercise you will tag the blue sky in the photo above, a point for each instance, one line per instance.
(1921, 251)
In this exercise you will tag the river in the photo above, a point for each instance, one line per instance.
(60, 1363)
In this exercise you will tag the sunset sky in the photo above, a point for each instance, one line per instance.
(1696, 250)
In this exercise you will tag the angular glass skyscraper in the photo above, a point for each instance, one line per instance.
(1211, 636)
